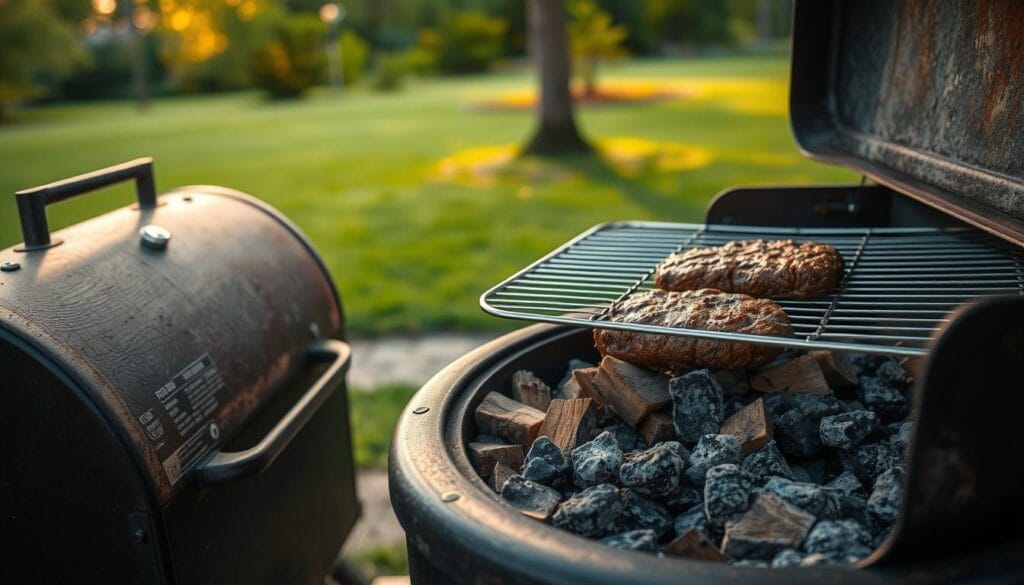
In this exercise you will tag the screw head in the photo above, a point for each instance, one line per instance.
(10, 266)
(154, 237)
(421, 410)
(449, 497)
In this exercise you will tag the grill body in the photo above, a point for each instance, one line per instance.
(176, 414)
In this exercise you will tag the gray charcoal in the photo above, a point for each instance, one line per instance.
(847, 484)
(644, 540)
(731, 407)
(767, 462)
(884, 399)
(726, 493)
(597, 461)
(891, 371)
(546, 464)
(851, 405)
(625, 436)
(838, 539)
(775, 404)
(710, 451)
(654, 472)
(692, 518)
(787, 558)
(819, 469)
(815, 406)
(808, 497)
(696, 405)
(683, 499)
(899, 439)
(796, 435)
(593, 512)
(800, 473)
(533, 499)
(639, 512)
(866, 364)
(847, 430)
(867, 462)
(884, 503)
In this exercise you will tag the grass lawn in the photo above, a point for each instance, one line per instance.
(358, 173)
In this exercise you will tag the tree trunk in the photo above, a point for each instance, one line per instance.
(556, 130)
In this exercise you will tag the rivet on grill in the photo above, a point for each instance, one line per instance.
(10, 266)
(448, 497)
(154, 236)
(187, 199)
(421, 410)
(140, 536)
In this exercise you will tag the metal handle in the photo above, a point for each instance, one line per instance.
(225, 467)
(32, 202)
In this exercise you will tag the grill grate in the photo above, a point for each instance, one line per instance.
(899, 288)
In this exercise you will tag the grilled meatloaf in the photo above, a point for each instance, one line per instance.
(696, 309)
(798, 270)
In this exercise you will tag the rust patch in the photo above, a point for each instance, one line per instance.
(1000, 52)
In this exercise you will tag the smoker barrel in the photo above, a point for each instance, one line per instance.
(173, 404)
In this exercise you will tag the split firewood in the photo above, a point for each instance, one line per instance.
(486, 455)
(657, 428)
(801, 375)
(836, 367)
(633, 392)
(530, 390)
(569, 423)
(693, 545)
(733, 381)
(500, 475)
(913, 366)
(502, 417)
(751, 426)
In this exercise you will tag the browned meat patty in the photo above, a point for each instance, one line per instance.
(798, 270)
(696, 309)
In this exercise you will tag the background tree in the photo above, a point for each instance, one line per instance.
(556, 125)
(593, 38)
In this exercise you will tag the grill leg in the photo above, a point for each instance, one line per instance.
(421, 572)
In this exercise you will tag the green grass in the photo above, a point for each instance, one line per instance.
(410, 253)
(380, 561)
(373, 416)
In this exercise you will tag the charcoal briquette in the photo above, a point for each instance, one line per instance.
(775, 404)
(866, 364)
(625, 436)
(641, 539)
(692, 518)
(847, 484)
(796, 435)
(838, 539)
(766, 462)
(883, 398)
(533, 499)
(546, 464)
(891, 371)
(847, 430)
(884, 504)
(899, 437)
(727, 491)
(787, 558)
(639, 512)
(683, 499)
(711, 450)
(597, 461)
(696, 405)
(867, 462)
(808, 497)
(593, 512)
(654, 472)
(815, 406)
(800, 473)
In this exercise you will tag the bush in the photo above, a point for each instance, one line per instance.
(291, 60)
(465, 42)
(388, 74)
(355, 53)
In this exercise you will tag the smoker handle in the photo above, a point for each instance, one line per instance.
(225, 467)
(32, 202)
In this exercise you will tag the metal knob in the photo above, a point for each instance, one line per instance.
(155, 237)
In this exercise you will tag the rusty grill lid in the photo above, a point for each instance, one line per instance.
(923, 96)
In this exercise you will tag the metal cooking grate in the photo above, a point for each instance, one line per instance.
(900, 283)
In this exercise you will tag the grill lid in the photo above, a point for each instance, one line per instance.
(924, 96)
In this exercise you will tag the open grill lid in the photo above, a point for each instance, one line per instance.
(923, 96)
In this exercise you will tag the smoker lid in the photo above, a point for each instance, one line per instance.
(924, 96)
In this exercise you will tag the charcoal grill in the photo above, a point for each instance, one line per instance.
(922, 97)
(173, 403)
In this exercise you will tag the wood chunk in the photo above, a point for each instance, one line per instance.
(751, 426)
(732, 381)
(836, 367)
(571, 389)
(530, 390)
(507, 419)
(913, 366)
(657, 428)
(569, 423)
(485, 455)
(633, 392)
(769, 526)
(500, 475)
(693, 545)
(591, 382)
(802, 375)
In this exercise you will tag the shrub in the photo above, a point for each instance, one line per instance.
(388, 73)
(291, 60)
(355, 54)
(465, 42)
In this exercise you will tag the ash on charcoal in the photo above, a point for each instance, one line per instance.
(710, 451)
(884, 399)
(866, 364)
(867, 462)
(696, 405)
(884, 503)
(726, 493)
(796, 435)
(530, 498)
(597, 461)
(639, 512)
(808, 497)
(683, 499)
(654, 472)
(891, 371)
(851, 405)
(641, 539)
(769, 526)
(838, 539)
(800, 473)
(815, 406)
(546, 464)
(625, 436)
(593, 512)
(767, 462)
(787, 558)
(847, 430)
(692, 518)
(847, 484)
(775, 404)
(899, 438)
